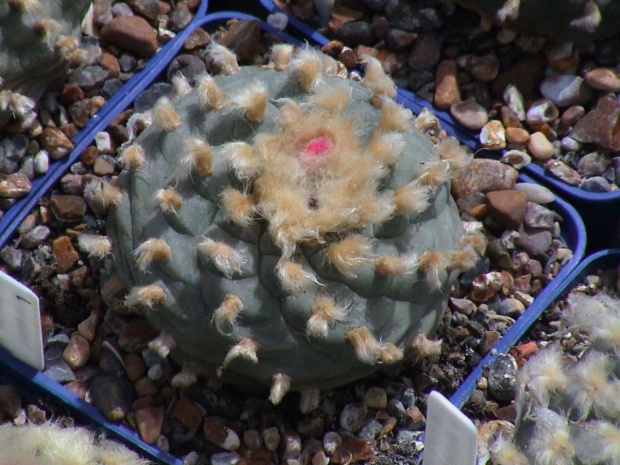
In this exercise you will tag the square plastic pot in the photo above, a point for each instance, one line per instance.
(32, 381)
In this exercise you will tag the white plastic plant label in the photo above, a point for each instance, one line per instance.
(20, 322)
(450, 438)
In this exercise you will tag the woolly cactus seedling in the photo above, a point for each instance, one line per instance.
(286, 227)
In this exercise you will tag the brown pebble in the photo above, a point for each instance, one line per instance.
(242, 37)
(56, 142)
(517, 136)
(353, 450)
(216, 432)
(605, 79)
(88, 327)
(64, 254)
(68, 208)
(493, 135)
(425, 54)
(14, 185)
(77, 352)
(150, 421)
(447, 91)
(198, 38)
(509, 118)
(145, 387)
(488, 341)
(89, 155)
(102, 167)
(470, 114)
(136, 335)
(110, 64)
(526, 74)
(600, 126)
(572, 114)
(414, 419)
(539, 147)
(483, 175)
(131, 33)
(71, 93)
(348, 57)
(186, 413)
(134, 367)
(507, 207)
(341, 15)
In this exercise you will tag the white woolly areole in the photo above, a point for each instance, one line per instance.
(226, 259)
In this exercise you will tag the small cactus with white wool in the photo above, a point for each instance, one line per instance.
(39, 43)
(568, 412)
(287, 228)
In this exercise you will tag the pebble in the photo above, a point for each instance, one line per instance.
(68, 208)
(64, 254)
(516, 158)
(595, 184)
(447, 91)
(35, 236)
(189, 66)
(484, 175)
(514, 99)
(88, 77)
(493, 135)
(150, 421)
(402, 15)
(484, 68)
(469, 114)
(537, 216)
(426, 52)
(356, 33)
(216, 432)
(542, 111)
(375, 398)
(370, 430)
(605, 79)
(570, 145)
(55, 142)
(539, 147)
(136, 335)
(134, 366)
(12, 257)
(565, 90)
(271, 437)
(112, 396)
(352, 417)
(111, 86)
(516, 136)
(502, 377)
(14, 185)
(563, 172)
(41, 162)
(599, 126)
(180, 16)
(147, 99)
(535, 192)
(278, 20)
(507, 207)
(534, 242)
(131, 33)
(396, 39)
(593, 164)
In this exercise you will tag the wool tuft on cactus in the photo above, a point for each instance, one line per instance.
(286, 227)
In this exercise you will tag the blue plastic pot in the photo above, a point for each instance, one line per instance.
(34, 382)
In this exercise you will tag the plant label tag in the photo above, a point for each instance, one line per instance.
(450, 438)
(20, 322)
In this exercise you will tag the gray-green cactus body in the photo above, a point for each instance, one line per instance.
(574, 20)
(35, 49)
(301, 251)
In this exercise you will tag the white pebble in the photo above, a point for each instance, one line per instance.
(155, 372)
(570, 145)
(103, 142)
(278, 20)
(535, 193)
(539, 146)
(41, 162)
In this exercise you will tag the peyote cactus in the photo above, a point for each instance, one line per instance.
(39, 41)
(574, 20)
(287, 227)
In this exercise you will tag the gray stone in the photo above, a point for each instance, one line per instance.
(147, 99)
(565, 90)
(89, 76)
(502, 377)
(111, 395)
(352, 417)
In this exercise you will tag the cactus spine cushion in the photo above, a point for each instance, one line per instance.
(282, 226)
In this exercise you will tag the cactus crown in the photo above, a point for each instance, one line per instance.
(286, 226)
